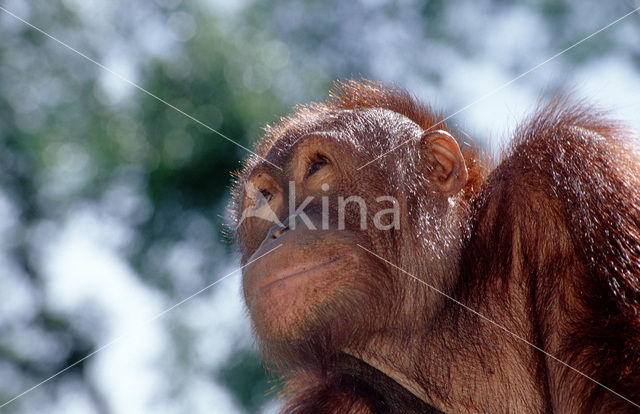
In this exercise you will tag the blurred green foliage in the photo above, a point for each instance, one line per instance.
(66, 140)
(247, 379)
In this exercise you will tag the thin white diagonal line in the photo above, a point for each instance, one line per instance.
(124, 335)
(504, 85)
(135, 85)
(491, 321)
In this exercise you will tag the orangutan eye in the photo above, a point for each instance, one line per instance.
(267, 195)
(317, 162)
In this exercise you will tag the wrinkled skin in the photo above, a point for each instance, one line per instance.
(316, 277)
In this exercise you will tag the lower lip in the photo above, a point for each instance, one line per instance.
(295, 274)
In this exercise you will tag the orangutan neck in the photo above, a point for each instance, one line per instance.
(385, 393)
(486, 370)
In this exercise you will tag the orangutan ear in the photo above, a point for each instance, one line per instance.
(450, 171)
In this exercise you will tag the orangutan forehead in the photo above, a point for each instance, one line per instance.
(352, 127)
(369, 131)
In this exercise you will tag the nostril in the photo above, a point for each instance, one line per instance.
(278, 231)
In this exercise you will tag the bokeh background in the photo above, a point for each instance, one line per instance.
(112, 204)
